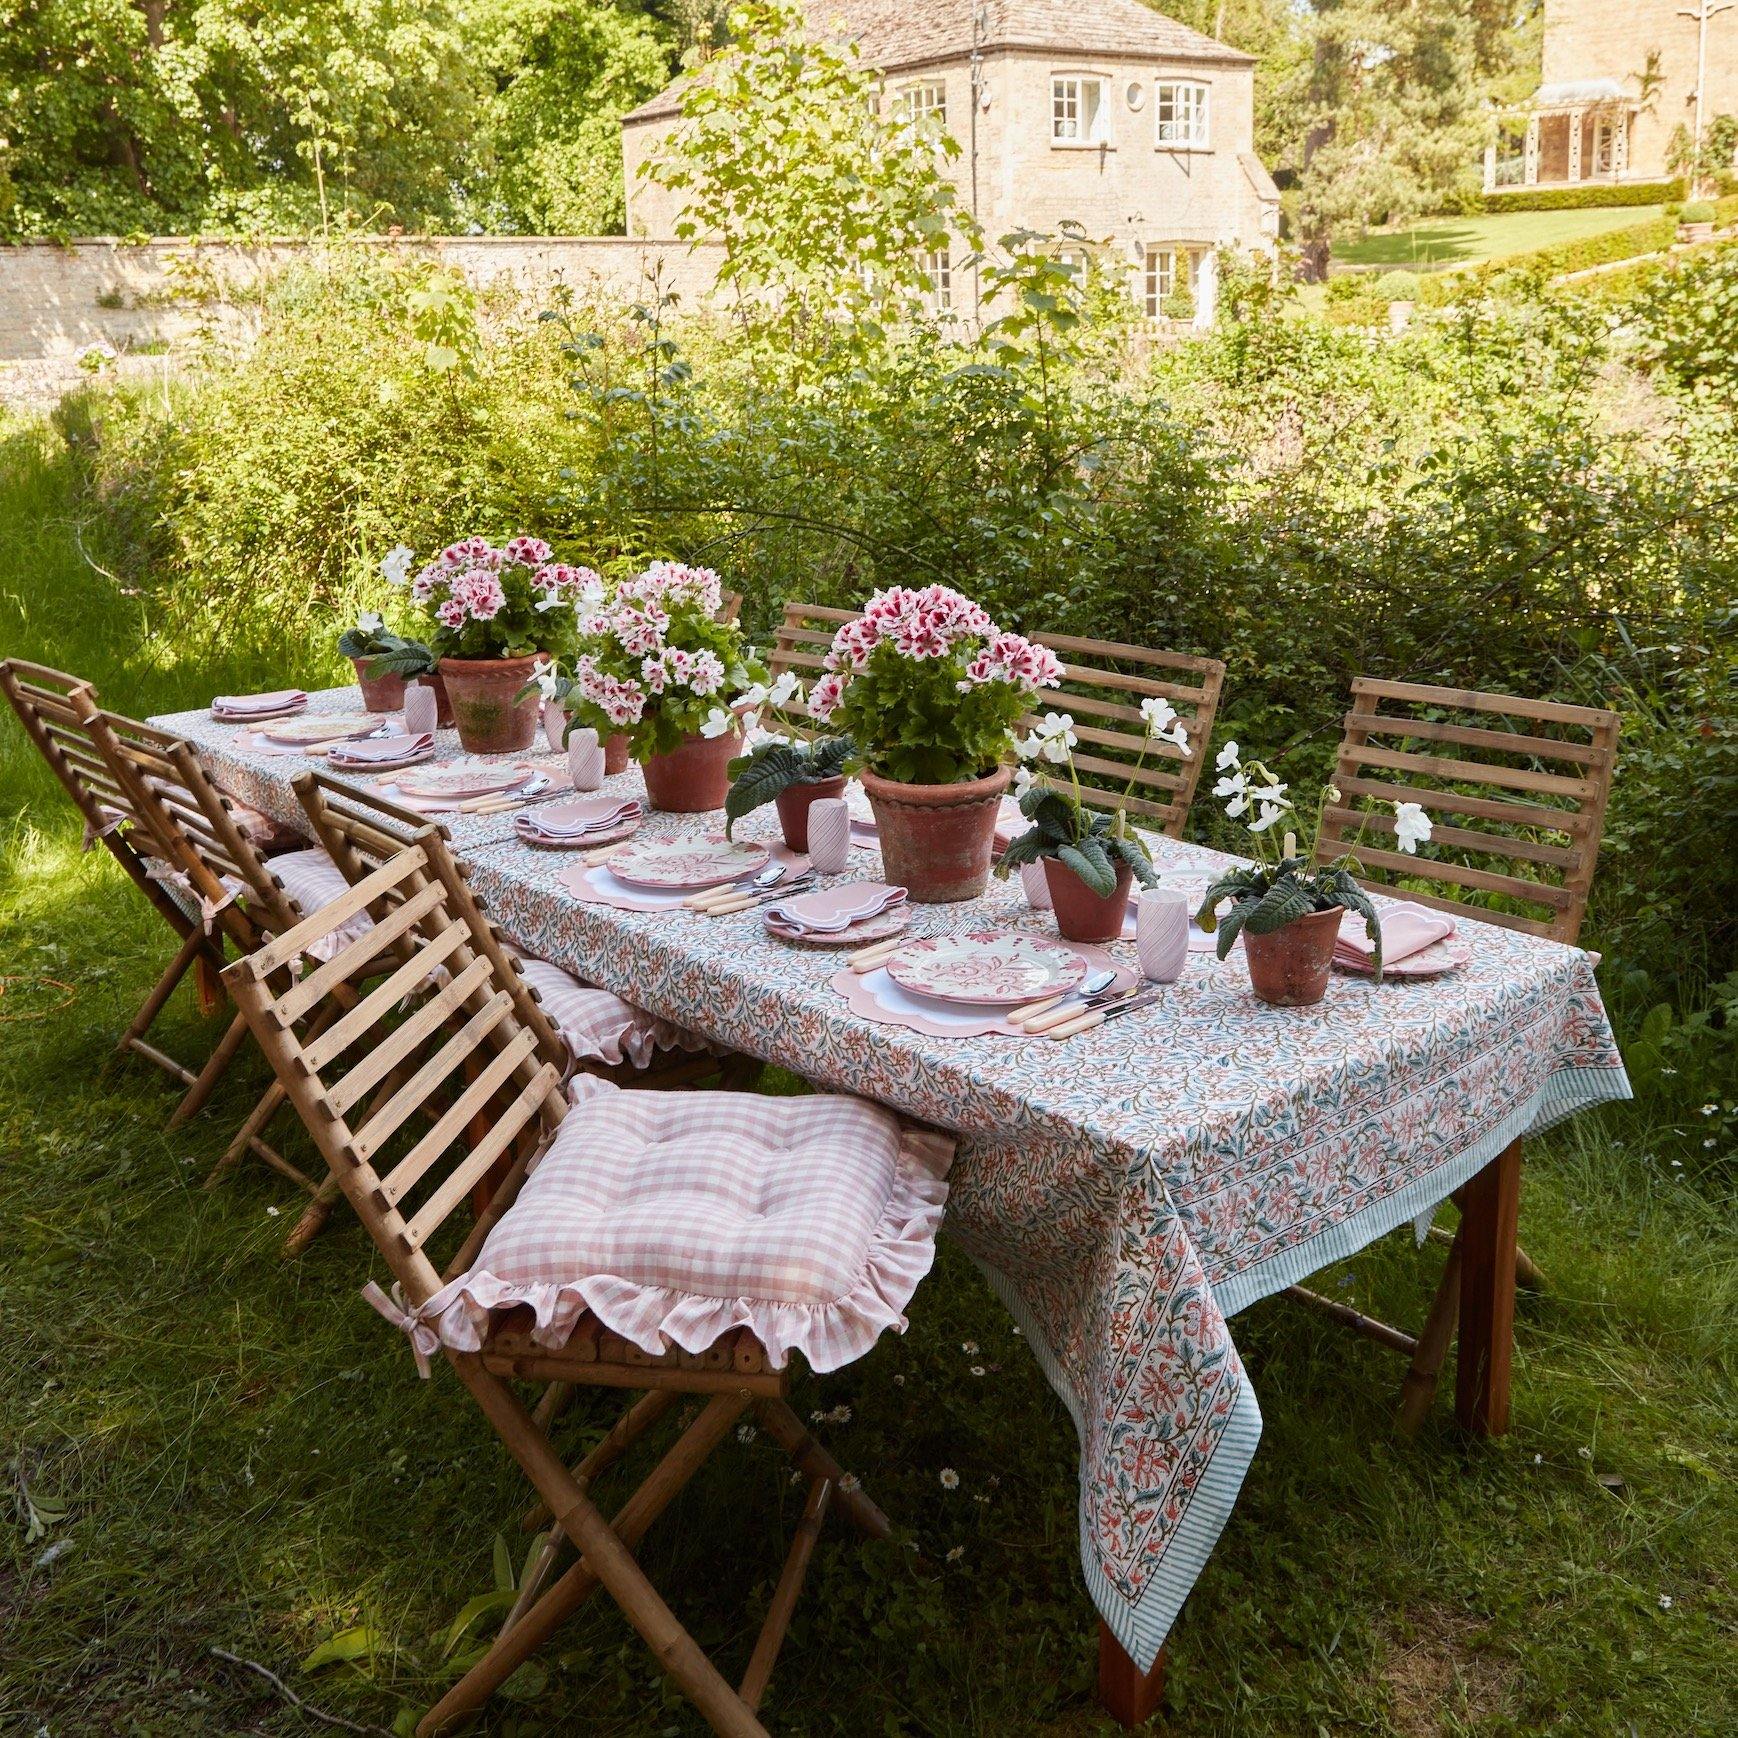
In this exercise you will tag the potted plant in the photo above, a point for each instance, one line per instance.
(496, 614)
(1696, 221)
(1091, 856)
(781, 767)
(929, 688)
(384, 662)
(1287, 912)
(656, 665)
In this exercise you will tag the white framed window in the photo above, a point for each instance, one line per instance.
(938, 269)
(1161, 278)
(1180, 110)
(1079, 114)
(922, 100)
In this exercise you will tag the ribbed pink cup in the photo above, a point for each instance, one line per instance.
(585, 760)
(1037, 885)
(829, 835)
(421, 710)
(1162, 933)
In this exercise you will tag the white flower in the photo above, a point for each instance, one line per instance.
(956, 1553)
(395, 569)
(950, 1480)
(1024, 779)
(1163, 724)
(550, 600)
(786, 689)
(1665, 1602)
(969, 1347)
(977, 1369)
(1055, 735)
(718, 721)
(1411, 826)
(369, 623)
(1234, 785)
(546, 681)
(1273, 803)
(1227, 756)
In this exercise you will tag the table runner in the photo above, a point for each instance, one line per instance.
(1128, 1191)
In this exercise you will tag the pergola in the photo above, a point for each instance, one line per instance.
(1575, 131)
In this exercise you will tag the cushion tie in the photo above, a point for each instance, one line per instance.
(424, 1342)
(92, 832)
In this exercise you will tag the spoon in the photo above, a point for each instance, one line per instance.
(1091, 985)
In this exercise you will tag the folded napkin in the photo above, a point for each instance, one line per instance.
(836, 909)
(257, 705)
(382, 750)
(576, 820)
(1406, 930)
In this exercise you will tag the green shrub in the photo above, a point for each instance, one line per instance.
(1396, 287)
(1697, 211)
(1590, 195)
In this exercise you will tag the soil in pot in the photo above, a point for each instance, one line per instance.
(1289, 966)
(937, 840)
(490, 716)
(379, 693)
(1081, 914)
(793, 807)
(694, 778)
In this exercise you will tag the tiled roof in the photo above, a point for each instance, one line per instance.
(892, 34)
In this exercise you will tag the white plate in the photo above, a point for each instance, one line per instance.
(471, 777)
(687, 865)
(1447, 955)
(986, 968)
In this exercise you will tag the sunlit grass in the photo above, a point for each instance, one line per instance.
(1439, 241)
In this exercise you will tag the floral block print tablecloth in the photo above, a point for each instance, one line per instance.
(1128, 1191)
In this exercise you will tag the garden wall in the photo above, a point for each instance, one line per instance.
(57, 300)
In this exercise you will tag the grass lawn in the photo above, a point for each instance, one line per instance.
(208, 1447)
(1470, 240)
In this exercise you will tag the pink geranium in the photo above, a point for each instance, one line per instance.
(527, 551)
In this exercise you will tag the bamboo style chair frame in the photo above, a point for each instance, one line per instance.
(1105, 681)
(357, 1087)
(1528, 783)
(60, 715)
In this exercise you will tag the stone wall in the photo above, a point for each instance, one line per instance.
(57, 301)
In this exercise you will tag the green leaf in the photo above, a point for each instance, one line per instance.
(767, 771)
(504, 1578)
(1028, 848)
(1284, 902)
(472, 1612)
(1091, 862)
(347, 1647)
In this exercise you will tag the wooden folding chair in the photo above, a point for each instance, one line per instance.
(358, 1087)
(1525, 785)
(54, 709)
(1104, 682)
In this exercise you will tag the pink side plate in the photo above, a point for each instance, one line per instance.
(986, 968)
(461, 779)
(1447, 955)
(327, 727)
(876, 928)
(585, 812)
(686, 866)
(584, 842)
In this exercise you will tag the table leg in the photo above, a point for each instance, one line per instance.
(1490, 1208)
(1126, 1693)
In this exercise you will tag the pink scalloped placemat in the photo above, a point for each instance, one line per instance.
(876, 997)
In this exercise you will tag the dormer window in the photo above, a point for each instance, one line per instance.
(1181, 110)
(924, 100)
(1079, 114)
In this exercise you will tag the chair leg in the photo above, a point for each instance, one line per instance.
(606, 1560)
(215, 1064)
(1434, 1339)
(792, 1435)
(314, 1217)
(785, 1596)
(259, 1119)
(192, 945)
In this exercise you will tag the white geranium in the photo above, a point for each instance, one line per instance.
(1411, 826)
(548, 684)
(395, 569)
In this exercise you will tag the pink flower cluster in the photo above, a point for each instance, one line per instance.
(622, 702)
(665, 585)
(932, 623)
(468, 580)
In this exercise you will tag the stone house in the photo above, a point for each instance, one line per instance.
(1619, 77)
(1103, 113)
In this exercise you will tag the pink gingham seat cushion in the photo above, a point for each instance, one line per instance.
(676, 1216)
(597, 1025)
(313, 881)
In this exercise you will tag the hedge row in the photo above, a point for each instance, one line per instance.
(1588, 195)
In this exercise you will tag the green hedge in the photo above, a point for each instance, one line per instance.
(1588, 196)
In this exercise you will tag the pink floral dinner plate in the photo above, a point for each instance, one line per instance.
(986, 968)
(1447, 955)
(877, 928)
(327, 727)
(471, 777)
(687, 865)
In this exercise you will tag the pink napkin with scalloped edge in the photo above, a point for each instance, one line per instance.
(1406, 930)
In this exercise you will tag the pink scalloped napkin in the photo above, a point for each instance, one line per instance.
(876, 997)
(835, 909)
(382, 751)
(583, 819)
(239, 708)
(1406, 930)
(597, 886)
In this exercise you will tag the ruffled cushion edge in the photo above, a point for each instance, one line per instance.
(653, 1318)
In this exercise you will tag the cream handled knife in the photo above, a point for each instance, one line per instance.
(1088, 1022)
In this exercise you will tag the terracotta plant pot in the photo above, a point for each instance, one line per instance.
(615, 754)
(694, 778)
(1289, 966)
(793, 808)
(443, 704)
(379, 693)
(1081, 914)
(491, 719)
(937, 840)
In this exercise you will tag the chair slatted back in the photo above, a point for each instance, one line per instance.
(362, 833)
(191, 819)
(800, 644)
(1516, 789)
(730, 610)
(1103, 685)
(458, 1053)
